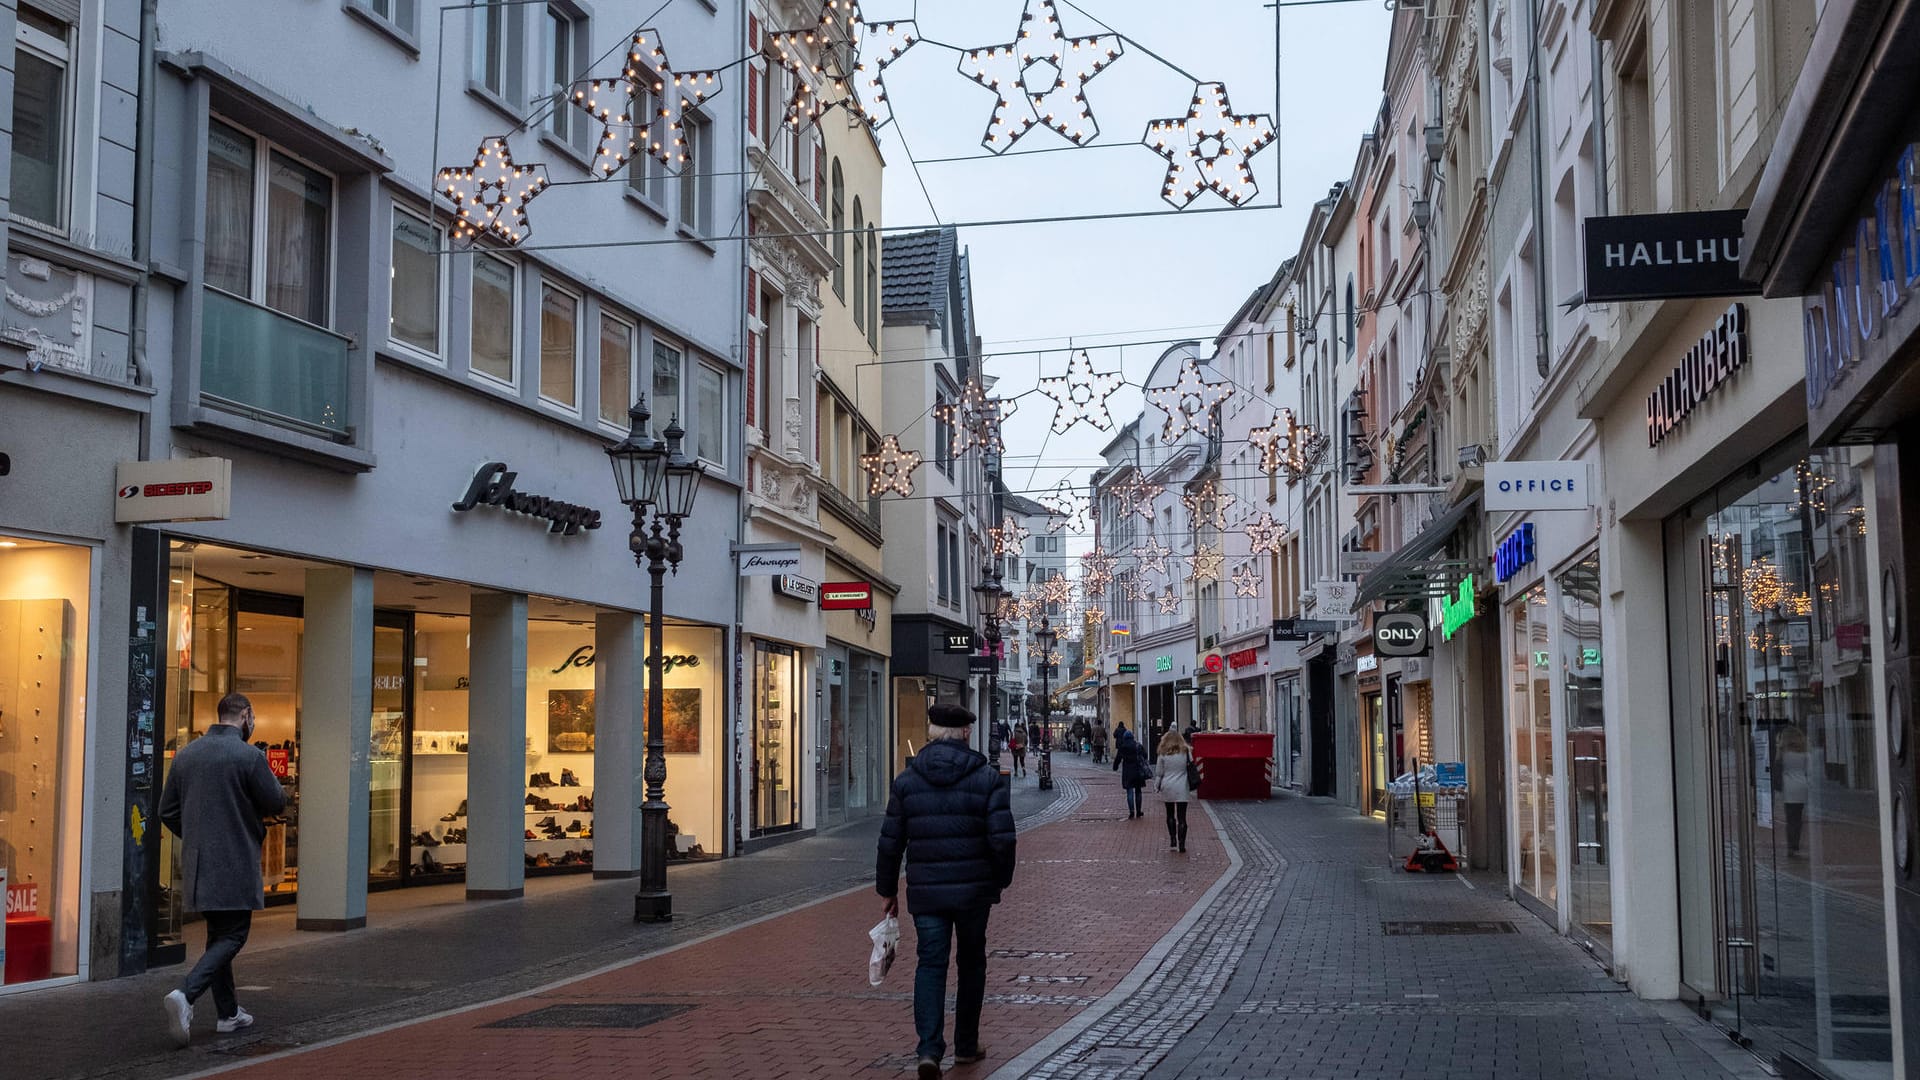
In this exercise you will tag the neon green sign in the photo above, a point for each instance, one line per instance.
(1456, 610)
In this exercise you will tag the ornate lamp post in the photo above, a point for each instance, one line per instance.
(654, 478)
(990, 591)
(1045, 638)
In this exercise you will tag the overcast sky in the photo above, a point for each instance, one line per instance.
(1128, 280)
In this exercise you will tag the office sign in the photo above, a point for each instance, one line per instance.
(1129, 669)
(846, 596)
(1662, 256)
(1457, 610)
(176, 489)
(1708, 366)
(1538, 485)
(959, 641)
(1401, 633)
(1515, 553)
(1361, 563)
(769, 560)
(797, 587)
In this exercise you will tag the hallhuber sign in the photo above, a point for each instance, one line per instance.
(1660, 256)
(1708, 366)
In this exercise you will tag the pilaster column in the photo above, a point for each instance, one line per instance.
(619, 741)
(497, 747)
(336, 720)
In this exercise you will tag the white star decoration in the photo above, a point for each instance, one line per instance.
(1246, 580)
(1264, 534)
(836, 29)
(1131, 589)
(1207, 561)
(1009, 538)
(1153, 555)
(893, 45)
(1081, 394)
(1208, 504)
(976, 418)
(1069, 506)
(651, 100)
(491, 197)
(1041, 78)
(1169, 603)
(890, 468)
(1209, 148)
(1271, 444)
(1135, 495)
(1057, 591)
(1192, 396)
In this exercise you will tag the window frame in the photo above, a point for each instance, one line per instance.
(873, 285)
(661, 416)
(263, 150)
(443, 291)
(859, 256)
(403, 29)
(839, 224)
(574, 133)
(695, 177)
(632, 327)
(60, 53)
(701, 368)
(515, 281)
(513, 48)
(579, 358)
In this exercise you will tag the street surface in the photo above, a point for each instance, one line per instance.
(1263, 952)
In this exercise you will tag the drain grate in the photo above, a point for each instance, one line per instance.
(619, 1016)
(1435, 927)
(1027, 954)
(1049, 980)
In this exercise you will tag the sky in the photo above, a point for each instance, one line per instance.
(1138, 283)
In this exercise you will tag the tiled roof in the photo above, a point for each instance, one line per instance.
(914, 271)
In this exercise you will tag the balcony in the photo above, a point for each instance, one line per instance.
(258, 362)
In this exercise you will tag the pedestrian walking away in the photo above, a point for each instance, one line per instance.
(1130, 761)
(949, 817)
(1017, 745)
(1170, 780)
(1100, 742)
(218, 791)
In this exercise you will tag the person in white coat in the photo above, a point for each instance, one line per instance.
(1170, 780)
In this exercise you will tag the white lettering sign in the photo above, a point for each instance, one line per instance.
(770, 561)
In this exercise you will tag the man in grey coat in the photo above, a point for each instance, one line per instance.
(218, 790)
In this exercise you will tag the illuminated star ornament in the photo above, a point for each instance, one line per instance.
(1098, 568)
(1190, 401)
(1069, 506)
(837, 29)
(1169, 603)
(976, 418)
(1081, 394)
(643, 111)
(889, 40)
(1132, 589)
(1040, 77)
(1208, 504)
(1271, 444)
(890, 468)
(1009, 538)
(1135, 495)
(1264, 534)
(1246, 580)
(1057, 590)
(1153, 555)
(1207, 562)
(1209, 148)
(491, 198)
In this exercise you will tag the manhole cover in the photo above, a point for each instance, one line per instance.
(1422, 927)
(632, 1015)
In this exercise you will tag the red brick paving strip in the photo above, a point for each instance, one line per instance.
(789, 997)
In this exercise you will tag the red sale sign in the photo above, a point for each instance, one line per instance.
(277, 760)
(23, 899)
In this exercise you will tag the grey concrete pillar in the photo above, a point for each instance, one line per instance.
(336, 720)
(619, 742)
(497, 747)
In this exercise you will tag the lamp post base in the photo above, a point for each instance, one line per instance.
(653, 907)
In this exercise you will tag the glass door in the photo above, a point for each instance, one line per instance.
(1586, 751)
(386, 807)
(833, 744)
(1729, 740)
(776, 779)
(1376, 754)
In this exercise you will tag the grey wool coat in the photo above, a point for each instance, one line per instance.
(217, 792)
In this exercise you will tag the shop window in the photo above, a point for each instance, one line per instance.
(286, 266)
(559, 347)
(1530, 713)
(42, 118)
(417, 294)
(493, 352)
(776, 735)
(1581, 676)
(45, 622)
(616, 370)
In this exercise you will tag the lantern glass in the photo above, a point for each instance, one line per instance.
(638, 460)
(682, 483)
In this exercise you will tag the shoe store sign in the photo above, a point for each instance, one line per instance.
(492, 485)
(1709, 365)
(1662, 256)
(177, 489)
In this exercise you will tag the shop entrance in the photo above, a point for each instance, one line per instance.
(1373, 710)
(1586, 750)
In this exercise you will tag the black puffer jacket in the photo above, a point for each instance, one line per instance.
(950, 818)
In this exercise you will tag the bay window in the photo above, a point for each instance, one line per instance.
(710, 426)
(269, 225)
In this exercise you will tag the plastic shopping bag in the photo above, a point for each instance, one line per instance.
(886, 940)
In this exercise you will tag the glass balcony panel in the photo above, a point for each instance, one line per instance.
(262, 361)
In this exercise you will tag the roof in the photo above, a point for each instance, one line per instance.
(1025, 507)
(915, 268)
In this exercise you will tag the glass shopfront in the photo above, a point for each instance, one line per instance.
(1581, 669)
(45, 605)
(1783, 916)
(853, 782)
(776, 738)
(1373, 709)
(1530, 742)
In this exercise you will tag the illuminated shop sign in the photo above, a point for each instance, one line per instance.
(1708, 366)
(1514, 553)
(1163, 663)
(1456, 611)
(1868, 282)
(1243, 658)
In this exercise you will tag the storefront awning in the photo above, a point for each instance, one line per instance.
(1417, 571)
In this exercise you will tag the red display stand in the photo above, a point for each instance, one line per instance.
(1234, 765)
(29, 948)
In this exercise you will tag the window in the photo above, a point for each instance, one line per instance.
(287, 269)
(666, 387)
(563, 46)
(710, 405)
(416, 289)
(943, 575)
(492, 351)
(873, 287)
(41, 107)
(1353, 315)
(559, 347)
(696, 176)
(772, 103)
(839, 232)
(616, 370)
(497, 49)
(942, 430)
(401, 13)
(859, 259)
(766, 341)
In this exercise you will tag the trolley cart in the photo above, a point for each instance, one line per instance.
(1425, 825)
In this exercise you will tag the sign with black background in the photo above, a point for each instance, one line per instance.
(1662, 256)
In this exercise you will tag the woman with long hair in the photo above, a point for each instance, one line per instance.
(1170, 780)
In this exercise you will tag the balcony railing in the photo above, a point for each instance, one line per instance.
(256, 360)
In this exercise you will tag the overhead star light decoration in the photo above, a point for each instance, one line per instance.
(491, 197)
(1190, 401)
(1010, 610)
(976, 419)
(1209, 148)
(1081, 395)
(1207, 504)
(838, 27)
(1270, 441)
(890, 468)
(887, 38)
(1040, 78)
(1057, 590)
(1135, 495)
(1010, 538)
(1305, 447)
(1153, 555)
(1098, 562)
(1132, 589)
(647, 82)
(1264, 533)
(1169, 603)
(1069, 506)
(1207, 563)
(1246, 580)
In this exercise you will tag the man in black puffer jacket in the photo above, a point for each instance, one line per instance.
(950, 817)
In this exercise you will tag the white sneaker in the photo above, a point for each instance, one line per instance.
(179, 1017)
(239, 1021)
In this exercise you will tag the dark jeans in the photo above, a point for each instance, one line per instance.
(930, 980)
(1133, 800)
(1796, 820)
(226, 934)
(1177, 823)
(1020, 760)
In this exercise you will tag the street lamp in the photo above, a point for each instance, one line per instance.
(990, 591)
(654, 476)
(1044, 638)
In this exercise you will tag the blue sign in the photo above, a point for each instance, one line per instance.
(1514, 552)
(1450, 773)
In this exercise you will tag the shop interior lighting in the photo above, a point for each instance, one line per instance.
(1264, 533)
(1209, 148)
(1207, 563)
(1135, 495)
(1040, 78)
(1207, 504)
(1190, 401)
(1081, 395)
(1153, 555)
(647, 83)
(1246, 580)
(490, 198)
(890, 468)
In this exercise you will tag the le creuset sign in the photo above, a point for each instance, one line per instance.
(846, 596)
(769, 560)
(1661, 256)
(492, 485)
(1401, 633)
(797, 587)
(174, 489)
(1538, 485)
(1516, 551)
(1708, 366)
